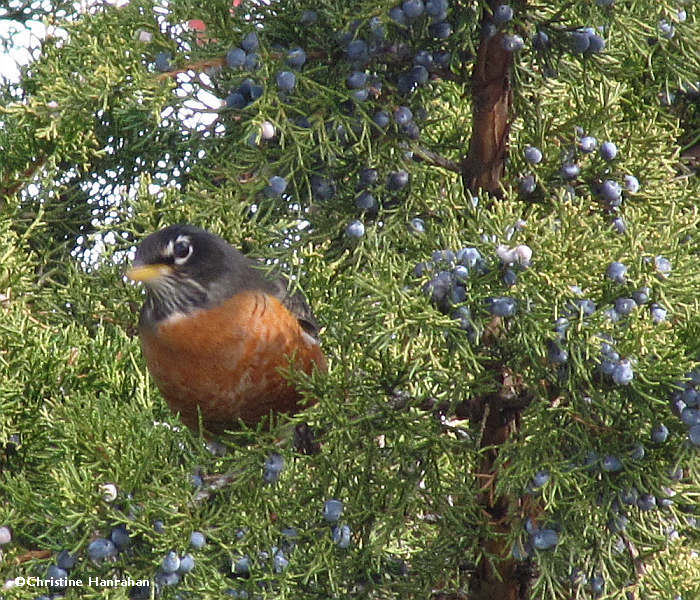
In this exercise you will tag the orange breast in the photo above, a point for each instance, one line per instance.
(225, 362)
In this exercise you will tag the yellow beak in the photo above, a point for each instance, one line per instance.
(148, 273)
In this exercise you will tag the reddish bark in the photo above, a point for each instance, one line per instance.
(483, 166)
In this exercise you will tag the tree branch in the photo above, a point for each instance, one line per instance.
(484, 164)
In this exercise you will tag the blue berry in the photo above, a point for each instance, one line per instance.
(64, 560)
(540, 478)
(167, 579)
(625, 306)
(236, 100)
(279, 562)
(460, 273)
(556, 354)
(163, 61)
(252, 62)
(617, 272)
(186, 564)
(442, 30)
(646, 502)
(458, 294)
(436, 7)
(597, 584)
(322, 188)
(510, 277)
(631, 184)
(100, 549)
(235, 58)
(610, 190)
(641, 296)
(444, 258)
(417, 225)
(579, 41)
(437, 289)
(662, 264)
(250, 42)
(544, 539)
(622, 373)
(382, 119)
(607, 366)
(443, 58)
(690, 416)
(413, 8)
(424, 59)
(612, 314)
(419, 74)
(198, 540)
(502, 14)
(397, 180)
(5, 535)
(355, 229)
(277, 185)
(587, 307)
(250, 90)
(587, 144)
(629, 496)
(286, 80)
(356, 80)
(366, 201)
(691, 397)
(527, 184)
(608, 150)
(376, 28)
(360, 95)
(296, 58)
(611, 464)
(619, 225)
(595, 43)
(403, 115)
(570, 170)
(540, 41)
(512, 43)
(502, 306)
(397, 15)
(658, 313)
(242, 566)
(533, 155)
(666, 29)
(55, 572)
(120, 537)
(638, 452)
(368, 177)
(659, 433)
(357, 50)
(694, 435)
(274, 464)
(171, 562)
(469, 257)
(341, 536)
(618, 523)
(158, 526)
(406, 84)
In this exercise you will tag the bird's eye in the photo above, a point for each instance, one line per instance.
(181, 251)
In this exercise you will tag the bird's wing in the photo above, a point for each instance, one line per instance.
(280, 287)
(297, 305)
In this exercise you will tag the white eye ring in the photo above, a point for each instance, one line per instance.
(181, 249)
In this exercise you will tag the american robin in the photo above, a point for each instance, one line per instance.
(215, 330)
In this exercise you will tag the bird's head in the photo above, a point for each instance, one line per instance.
(184, 268)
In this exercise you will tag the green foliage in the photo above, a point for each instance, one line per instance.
(101, 148)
